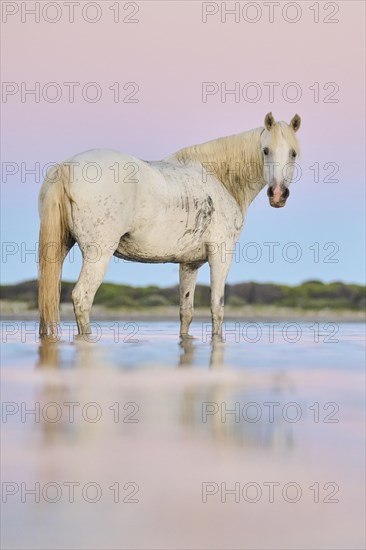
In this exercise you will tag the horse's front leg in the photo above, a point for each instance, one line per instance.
(187, 281)
(219, 269)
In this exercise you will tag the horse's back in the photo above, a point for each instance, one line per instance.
(156, 210)
(103, 167)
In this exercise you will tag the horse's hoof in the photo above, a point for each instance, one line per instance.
(186, 337)
(84, 337)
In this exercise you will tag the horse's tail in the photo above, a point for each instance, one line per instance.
(54, 239)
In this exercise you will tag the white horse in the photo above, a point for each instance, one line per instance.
(182, 209)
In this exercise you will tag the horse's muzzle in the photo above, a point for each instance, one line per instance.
(278, 195)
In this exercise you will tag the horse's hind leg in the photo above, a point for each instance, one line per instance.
(187, 280)
(90, 278)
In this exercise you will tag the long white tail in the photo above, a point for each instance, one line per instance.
(54, 238)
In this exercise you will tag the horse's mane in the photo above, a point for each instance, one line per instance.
(237, 161)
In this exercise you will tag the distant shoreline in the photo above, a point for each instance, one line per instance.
(19, 311)
(312, 301)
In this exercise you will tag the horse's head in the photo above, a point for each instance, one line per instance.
(279, 149)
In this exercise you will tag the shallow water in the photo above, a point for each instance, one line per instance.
(138, 440)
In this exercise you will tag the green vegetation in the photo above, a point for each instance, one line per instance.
(313, 295)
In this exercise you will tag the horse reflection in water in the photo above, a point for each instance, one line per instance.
(226, 405)
(188, 348)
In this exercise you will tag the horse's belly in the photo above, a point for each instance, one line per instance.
(148, 250)
(174, 234)
(143, 255)
(163, 244)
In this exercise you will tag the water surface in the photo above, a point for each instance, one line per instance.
(255, 442)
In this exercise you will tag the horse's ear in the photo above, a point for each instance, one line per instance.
(295, 123)
(269, 121)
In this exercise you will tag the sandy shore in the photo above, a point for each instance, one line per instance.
(20, 310)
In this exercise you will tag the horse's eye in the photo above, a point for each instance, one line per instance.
(265, 151)
(293, 154)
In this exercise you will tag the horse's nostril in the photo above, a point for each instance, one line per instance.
(270, 192)
(286, 193)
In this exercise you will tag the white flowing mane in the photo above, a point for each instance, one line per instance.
(237, 161)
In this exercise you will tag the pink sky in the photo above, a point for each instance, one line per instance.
(169, 53)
